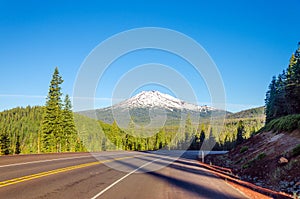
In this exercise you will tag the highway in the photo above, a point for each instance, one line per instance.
(117, 174)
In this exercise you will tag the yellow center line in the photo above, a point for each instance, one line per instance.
(60, 170)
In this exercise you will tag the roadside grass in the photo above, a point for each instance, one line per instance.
(287, 123)
(244, 149)
(256, 159)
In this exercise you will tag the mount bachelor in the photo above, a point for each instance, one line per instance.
(152, 104)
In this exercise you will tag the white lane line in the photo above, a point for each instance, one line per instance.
(57, 159)
(119, 180)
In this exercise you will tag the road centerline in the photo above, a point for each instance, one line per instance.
(50, 160)
(41, 161)
(56, 171)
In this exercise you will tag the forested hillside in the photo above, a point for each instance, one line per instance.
(258, 112)
(271, 158)
(21, 131)
(283, 96)
(55, 128)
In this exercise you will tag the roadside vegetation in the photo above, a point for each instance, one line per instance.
(22, 132)
(286, 123)
(283, 96)
(271, 157)
(55, 128)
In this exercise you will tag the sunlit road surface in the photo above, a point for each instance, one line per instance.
(110, 175)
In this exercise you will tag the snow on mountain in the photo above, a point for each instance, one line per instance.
(155, 99)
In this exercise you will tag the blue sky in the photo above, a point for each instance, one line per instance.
(250, 41)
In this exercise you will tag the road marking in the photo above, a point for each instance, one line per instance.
(40, 161)
(119, 180)
(51, 172)
(57, 159)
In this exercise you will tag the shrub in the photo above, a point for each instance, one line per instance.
(245, 166)
(244, 149)
(261, 156)
(286, 123)
(296, 150)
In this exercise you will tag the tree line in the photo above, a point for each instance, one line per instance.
(52, 128)
(21, 132)
(98, 135)
(283, 95)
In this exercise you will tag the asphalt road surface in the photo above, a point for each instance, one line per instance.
(143, 175)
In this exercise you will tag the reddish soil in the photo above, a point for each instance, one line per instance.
(249, 189)
(259, 162)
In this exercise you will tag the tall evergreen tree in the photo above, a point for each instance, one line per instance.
(202, 136)
(293, 83)
(270, 103)
(52, 119)
(283, 96)
(69, 129)
(240, 133)
(115, 134)
(5, 144)
(198, 138)
(18, 146)
(280, 105)
(211, 139)
(131, 139)
(188, 131)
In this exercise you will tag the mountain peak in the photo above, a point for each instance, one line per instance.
(156, 99)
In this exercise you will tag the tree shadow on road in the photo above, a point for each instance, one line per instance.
(200, 189)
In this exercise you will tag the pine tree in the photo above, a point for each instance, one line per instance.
(280, 105)
(270, 96)
(115, 133)
(293, 83)
(202, 136)
(132, 138)
(283, 96)
(188, 131)
(211, 140)
(68, 126)
(240, 133)
(5, 144)
(52, 119)
(18, 146)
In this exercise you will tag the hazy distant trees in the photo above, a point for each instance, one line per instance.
(283, 95)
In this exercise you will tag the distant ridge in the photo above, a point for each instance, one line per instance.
(249, 113)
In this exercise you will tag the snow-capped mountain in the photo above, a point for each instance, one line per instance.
(159, 104)
(155, 99)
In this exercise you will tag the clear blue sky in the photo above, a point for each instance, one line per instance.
(250, 41)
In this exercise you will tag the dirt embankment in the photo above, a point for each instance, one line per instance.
(268, 159)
